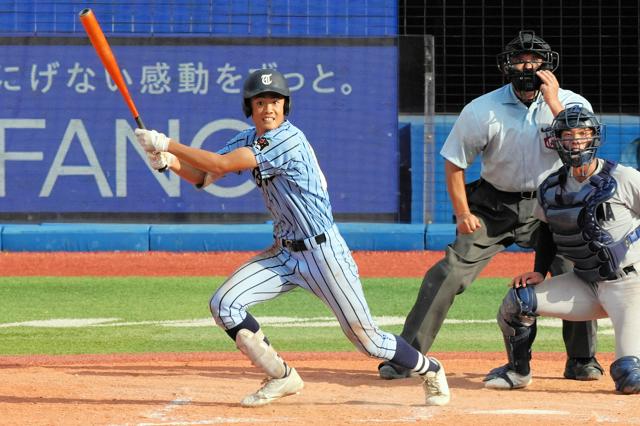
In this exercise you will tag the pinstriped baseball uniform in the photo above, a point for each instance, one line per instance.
(295, 193)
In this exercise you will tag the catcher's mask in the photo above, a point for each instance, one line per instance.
(575, 116)
(526, 42)
(265, 81)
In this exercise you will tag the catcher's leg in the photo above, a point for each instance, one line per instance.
(515, 318)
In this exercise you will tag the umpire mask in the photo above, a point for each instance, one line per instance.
(526, 42)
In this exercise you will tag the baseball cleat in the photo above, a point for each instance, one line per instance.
(583, 369)
(273, 389)
(436, 388)
(505, 378)
(389, 371)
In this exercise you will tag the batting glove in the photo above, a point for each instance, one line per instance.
(160, 160)
(152, 141)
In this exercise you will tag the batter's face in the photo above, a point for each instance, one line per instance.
(267, 112)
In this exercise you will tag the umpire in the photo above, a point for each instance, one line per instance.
(506, 127)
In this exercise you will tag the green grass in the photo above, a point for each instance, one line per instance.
(137, 299)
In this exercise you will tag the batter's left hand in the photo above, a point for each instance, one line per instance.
(152, 141)
(528, 278)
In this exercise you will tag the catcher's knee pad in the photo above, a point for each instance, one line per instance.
(518, 310)
(625, 372)
(261, 354)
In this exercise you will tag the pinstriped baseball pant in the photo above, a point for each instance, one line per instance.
(328, 271)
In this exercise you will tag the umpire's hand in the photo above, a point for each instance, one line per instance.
(467, 223)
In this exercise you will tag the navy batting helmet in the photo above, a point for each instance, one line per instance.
(575, 116)
(264, 81)
(526, 42)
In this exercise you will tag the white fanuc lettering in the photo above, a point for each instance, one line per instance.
(201, 136)
(76, 127)
(16, 123)
(170, 182)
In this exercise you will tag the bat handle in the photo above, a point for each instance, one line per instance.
(139, 122)
(141, 126)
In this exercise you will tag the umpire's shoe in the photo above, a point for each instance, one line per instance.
(390, 371)
(583, 369)
(273, 389)
(436, 388)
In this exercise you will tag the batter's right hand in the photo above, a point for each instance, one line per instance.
(467, 223)
(152, 141)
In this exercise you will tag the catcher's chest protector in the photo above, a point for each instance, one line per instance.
(573, 219)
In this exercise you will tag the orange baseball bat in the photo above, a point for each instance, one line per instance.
(100, 44)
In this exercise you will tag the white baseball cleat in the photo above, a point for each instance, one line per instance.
(436, 388)
(505, 378)
(273, 389)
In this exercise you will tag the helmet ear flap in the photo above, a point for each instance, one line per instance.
(287, 105)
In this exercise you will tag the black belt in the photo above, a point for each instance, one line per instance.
(299, 245)
(522, 195)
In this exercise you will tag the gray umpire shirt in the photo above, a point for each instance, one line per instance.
(515, 153)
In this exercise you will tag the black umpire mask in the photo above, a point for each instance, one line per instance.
(525, 80)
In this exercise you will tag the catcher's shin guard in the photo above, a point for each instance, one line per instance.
(516, 319)
(625, 372)
(261, 354)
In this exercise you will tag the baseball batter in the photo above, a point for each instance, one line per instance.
(592, 208)
(308, 250)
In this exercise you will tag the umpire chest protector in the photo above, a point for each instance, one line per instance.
(574, 219)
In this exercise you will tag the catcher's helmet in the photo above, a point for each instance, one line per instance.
(575, 116)
(526, 42)
(263, 81)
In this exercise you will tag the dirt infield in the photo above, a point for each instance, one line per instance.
(340, 388)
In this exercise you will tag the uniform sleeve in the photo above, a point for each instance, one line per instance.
(569, 97)
(275, 154)
(629, 187)
(466, 140)
(238, 141)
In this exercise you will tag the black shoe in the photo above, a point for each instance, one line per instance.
(389, 371)
(583, 369)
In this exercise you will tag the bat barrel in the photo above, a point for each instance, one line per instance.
(85, 12)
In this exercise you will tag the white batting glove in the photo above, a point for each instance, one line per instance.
(160, 160)
(152, 141)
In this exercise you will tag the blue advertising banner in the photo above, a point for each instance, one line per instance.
(67, 142)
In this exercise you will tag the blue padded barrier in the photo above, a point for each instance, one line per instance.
(383, 236)
(210, 237)
(75, 237)
(213, 237)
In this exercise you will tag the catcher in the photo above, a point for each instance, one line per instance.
(592, 207)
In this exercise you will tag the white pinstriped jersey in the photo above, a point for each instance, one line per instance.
(291, 181)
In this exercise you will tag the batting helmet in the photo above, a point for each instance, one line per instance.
(526, 42)
(575, 116)
(264, 81)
